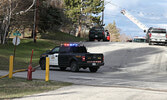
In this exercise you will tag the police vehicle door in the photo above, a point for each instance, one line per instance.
(53, 58)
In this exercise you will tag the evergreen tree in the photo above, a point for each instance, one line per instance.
(114, 31)
(82, 12)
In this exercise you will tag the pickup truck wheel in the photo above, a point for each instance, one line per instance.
(43, 64)
(150, 43)
(165, 44)
(74, 67)
(62, 68)
(93, 69)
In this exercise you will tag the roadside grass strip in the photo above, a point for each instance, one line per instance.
(19, 87)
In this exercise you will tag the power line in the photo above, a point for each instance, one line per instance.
(135, 11)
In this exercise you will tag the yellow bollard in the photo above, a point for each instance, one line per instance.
(47, 69)
(11, 67)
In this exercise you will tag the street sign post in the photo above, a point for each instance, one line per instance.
(17, 33)
(16, 40)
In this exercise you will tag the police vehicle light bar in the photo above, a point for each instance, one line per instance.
(70, 44)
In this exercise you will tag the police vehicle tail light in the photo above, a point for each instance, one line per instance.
(83, 58)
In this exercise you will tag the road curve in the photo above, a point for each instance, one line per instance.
(135, 65)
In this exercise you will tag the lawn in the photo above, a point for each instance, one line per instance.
(23, 51)
(18, 87)
(60, 36)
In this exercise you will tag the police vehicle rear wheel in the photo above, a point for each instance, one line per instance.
(43, 64)
(74, 67)
(93, 69)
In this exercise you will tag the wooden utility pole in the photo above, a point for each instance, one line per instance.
(36, 18)
(103, 15)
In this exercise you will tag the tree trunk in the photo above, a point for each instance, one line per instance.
(23, 31)
(0, 38)
(6, 22)
(78, 34)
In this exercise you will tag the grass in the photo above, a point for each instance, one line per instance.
(23, 51)
(60, 36)
(18, 87)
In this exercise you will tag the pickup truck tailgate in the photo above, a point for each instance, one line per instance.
(159, 35)
(94, 58)
(96, 34)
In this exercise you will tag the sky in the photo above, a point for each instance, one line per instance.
(152, 13)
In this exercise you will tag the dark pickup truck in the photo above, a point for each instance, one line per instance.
(98, 33)
(73, 56)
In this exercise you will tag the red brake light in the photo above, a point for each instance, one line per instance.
(150, 34)
(83, 58)
(103, 33)
(108, 37)
(166, 35)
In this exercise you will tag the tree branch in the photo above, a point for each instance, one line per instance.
(22, 12)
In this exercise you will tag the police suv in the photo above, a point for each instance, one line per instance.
(73, 56)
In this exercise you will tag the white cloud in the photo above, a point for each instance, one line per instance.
(141, 14)
(109, 8)
(126, 3)
(165, 15)
(159, 25)
(154, 18)
(149, 12)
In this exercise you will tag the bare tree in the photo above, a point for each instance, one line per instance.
(6, 21)
(8, 8)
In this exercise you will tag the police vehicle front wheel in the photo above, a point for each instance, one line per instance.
(74, 67)
(43, 64)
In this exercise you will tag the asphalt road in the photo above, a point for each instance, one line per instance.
(127, 65)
